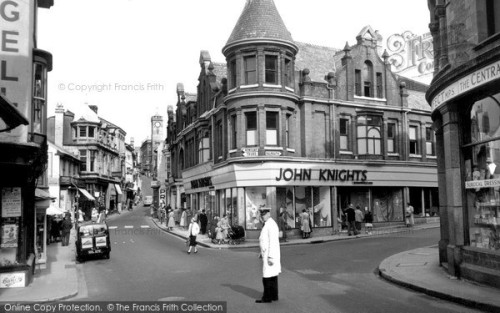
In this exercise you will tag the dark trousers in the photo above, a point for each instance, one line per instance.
(65, 238)
(270, 288)
(351, 228)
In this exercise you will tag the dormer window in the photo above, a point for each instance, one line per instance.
(272, 69)
(250, 70)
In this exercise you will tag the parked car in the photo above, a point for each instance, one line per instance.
(148, 200)
(92, 239)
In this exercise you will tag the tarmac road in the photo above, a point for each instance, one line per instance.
(148, 264)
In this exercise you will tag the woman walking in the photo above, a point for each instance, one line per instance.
(194, 230)
(171, 220)
(305, 224)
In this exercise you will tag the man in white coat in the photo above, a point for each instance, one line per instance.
(270, 254)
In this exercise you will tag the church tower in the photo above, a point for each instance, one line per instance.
(157, 136)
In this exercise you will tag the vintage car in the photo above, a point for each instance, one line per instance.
(92, 239)
(148, 200)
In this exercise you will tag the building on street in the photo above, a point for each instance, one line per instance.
(24, 191)
(465, 100)
(100, 146)
(294, 127)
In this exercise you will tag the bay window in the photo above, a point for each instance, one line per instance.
(251, 128)
(272, 128)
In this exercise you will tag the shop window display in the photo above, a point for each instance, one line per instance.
(387, 204)
(482, 170)
(321, 207)
(284, 197)
(256, 197)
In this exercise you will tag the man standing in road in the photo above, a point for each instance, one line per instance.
(351, 220)
(270, 254)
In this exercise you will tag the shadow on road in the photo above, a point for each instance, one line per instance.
(252, 293)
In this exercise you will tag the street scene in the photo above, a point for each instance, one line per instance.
(249, 156)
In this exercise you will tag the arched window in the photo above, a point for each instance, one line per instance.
(367, 76)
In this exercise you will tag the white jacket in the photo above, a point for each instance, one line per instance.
(194, 229)
(270, 249)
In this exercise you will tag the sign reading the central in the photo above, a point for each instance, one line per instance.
(288, 174)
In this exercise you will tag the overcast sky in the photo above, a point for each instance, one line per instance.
(127, 56)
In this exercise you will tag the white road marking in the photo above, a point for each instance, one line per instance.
(145, 226)
(129, 227)
(113, 227)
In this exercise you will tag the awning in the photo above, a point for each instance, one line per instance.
(53, 210)
(118, 189)
(86, 194)
(42, 194)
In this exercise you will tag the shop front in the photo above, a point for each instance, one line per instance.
(466, 112)
(321, 189)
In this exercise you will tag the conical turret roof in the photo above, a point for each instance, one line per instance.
(260, 20)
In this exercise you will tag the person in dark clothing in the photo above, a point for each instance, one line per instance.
(203, 222)
(351, 220)
(66, 230)
(55, 230)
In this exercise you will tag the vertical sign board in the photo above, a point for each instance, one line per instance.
(16, 59)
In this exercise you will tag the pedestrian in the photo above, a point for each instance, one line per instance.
(54, 230)
(282, 223)
(80, 216)
(203, 222)
(368, 222)
(351, 220)
(66, 230)
(409, 215)
(183, 221)
(270, 255)
(359, 217)
(171, 220)
(305, 224)
(194, 230)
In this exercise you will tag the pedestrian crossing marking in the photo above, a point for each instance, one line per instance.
(144, 226)
(113, 227)
(128, 227)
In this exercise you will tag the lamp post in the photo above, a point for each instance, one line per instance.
(76, 212)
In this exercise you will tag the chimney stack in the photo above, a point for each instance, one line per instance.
(59, 125)
(93, 108)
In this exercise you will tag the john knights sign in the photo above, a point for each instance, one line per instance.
(301, 174)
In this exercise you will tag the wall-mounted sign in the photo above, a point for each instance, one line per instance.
(489, 183)
(16, 60)
(469, 82)
(301, 174)
(273, 153)
(9, 236)
(12, 280)
(250, 152)
(11, 202)
(202, 182)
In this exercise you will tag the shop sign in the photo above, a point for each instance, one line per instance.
(11, 202)
(302, 174)
(9, 236)
(489, 183)
(273, 153)
(16, 52)
(202, 182)
(469, 82)
(12, 280)
(250, 152)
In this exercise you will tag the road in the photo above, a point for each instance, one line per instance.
(147, 264)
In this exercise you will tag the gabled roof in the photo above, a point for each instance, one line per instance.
(417, 101)
(260, 19)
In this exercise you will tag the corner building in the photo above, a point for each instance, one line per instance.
(464, 96)
(294, 126)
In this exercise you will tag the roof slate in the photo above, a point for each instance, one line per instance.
(260, 19)
(318, 59)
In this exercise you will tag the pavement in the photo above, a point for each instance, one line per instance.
(416, 269)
